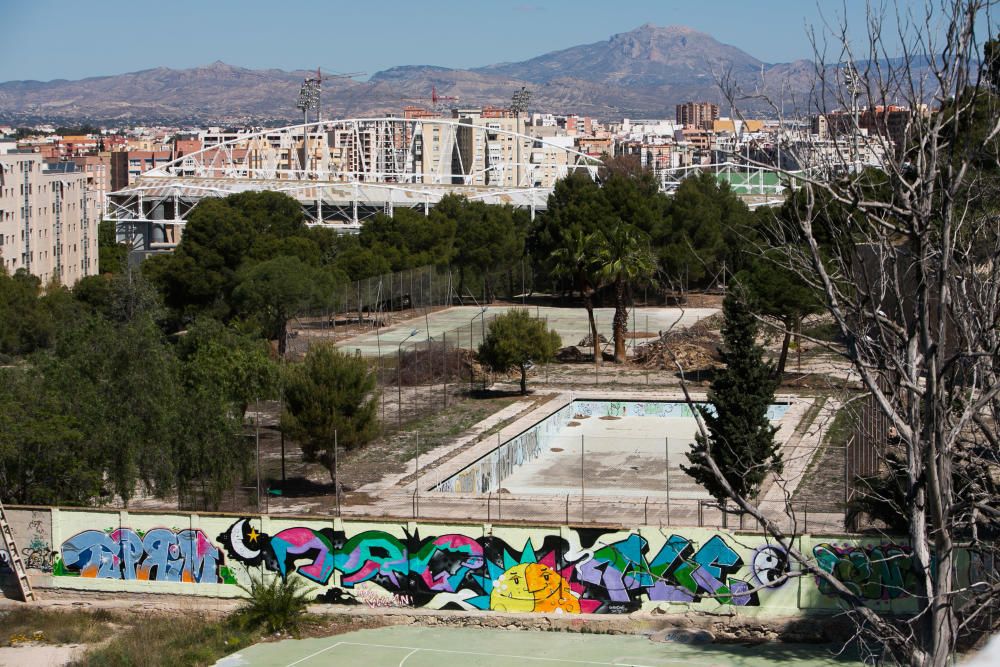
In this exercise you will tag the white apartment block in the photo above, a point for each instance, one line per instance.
(48, 219)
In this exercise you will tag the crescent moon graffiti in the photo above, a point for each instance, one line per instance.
(236, 541)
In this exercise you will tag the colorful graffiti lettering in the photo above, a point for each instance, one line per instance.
(487, 573)
(883, 572)
(676, 574)
(160, 554)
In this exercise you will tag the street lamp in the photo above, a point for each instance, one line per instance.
(399, 379)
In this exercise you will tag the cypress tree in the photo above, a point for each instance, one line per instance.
(740, 437)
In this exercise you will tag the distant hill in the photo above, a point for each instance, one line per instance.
(641, 73)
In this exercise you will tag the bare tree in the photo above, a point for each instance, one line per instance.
(895, 224)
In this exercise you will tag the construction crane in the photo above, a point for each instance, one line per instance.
(437, 99)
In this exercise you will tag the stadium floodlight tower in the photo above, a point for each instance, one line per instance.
(519, 105)
(309, 98)
(852, 81)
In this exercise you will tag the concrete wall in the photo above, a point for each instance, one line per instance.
(556, 569)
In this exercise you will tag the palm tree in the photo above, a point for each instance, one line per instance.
(624, 260)
(577, 261)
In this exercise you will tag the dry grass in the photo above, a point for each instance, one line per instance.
(55, 627)
(158, 641)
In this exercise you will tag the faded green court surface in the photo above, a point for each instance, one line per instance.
(436, 647)
(458, 323)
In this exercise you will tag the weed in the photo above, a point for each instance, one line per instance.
(276, 605)
(159, 642)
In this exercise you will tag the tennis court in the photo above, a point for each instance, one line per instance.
(570, 323)
(413, 646)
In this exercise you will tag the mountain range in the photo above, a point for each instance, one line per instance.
(640, 73)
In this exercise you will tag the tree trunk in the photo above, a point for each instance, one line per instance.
(620, 322)
(524, 380)
(779, 371)
(282, 338)
(798, 344)
(588, 303)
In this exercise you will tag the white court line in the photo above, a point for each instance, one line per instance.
(407, 656)
(414, 649)
(313, 655)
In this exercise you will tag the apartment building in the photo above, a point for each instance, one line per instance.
(48, 218)
(699, 115)
(126, 166)
(892, 122)
(97, 169)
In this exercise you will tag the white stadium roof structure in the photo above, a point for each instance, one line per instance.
(344, 171)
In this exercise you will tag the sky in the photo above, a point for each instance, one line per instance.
(69, 39)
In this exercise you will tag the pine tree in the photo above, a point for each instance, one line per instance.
(741, 439)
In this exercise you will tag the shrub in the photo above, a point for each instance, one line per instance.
(276, 605)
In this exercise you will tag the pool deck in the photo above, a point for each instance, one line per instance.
(402, 494)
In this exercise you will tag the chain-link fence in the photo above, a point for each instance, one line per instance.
(369, 302)
(619, 480)
(419, 378)
(590, 510)
(872, 434)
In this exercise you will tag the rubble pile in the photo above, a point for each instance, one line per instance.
(695, 349)
(588, 340)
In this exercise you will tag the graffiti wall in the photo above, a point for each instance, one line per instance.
(571, 571)
(558, 569)
(486, 474)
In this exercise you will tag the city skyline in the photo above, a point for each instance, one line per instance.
(242, 34)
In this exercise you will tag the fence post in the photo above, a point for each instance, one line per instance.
(847, 483)
(666, 459)
(444, 365)
(645, 511)
(567, 509)
(336, 472)
(647, 360)
(583, 500)
(416, 482)
(489, 506)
